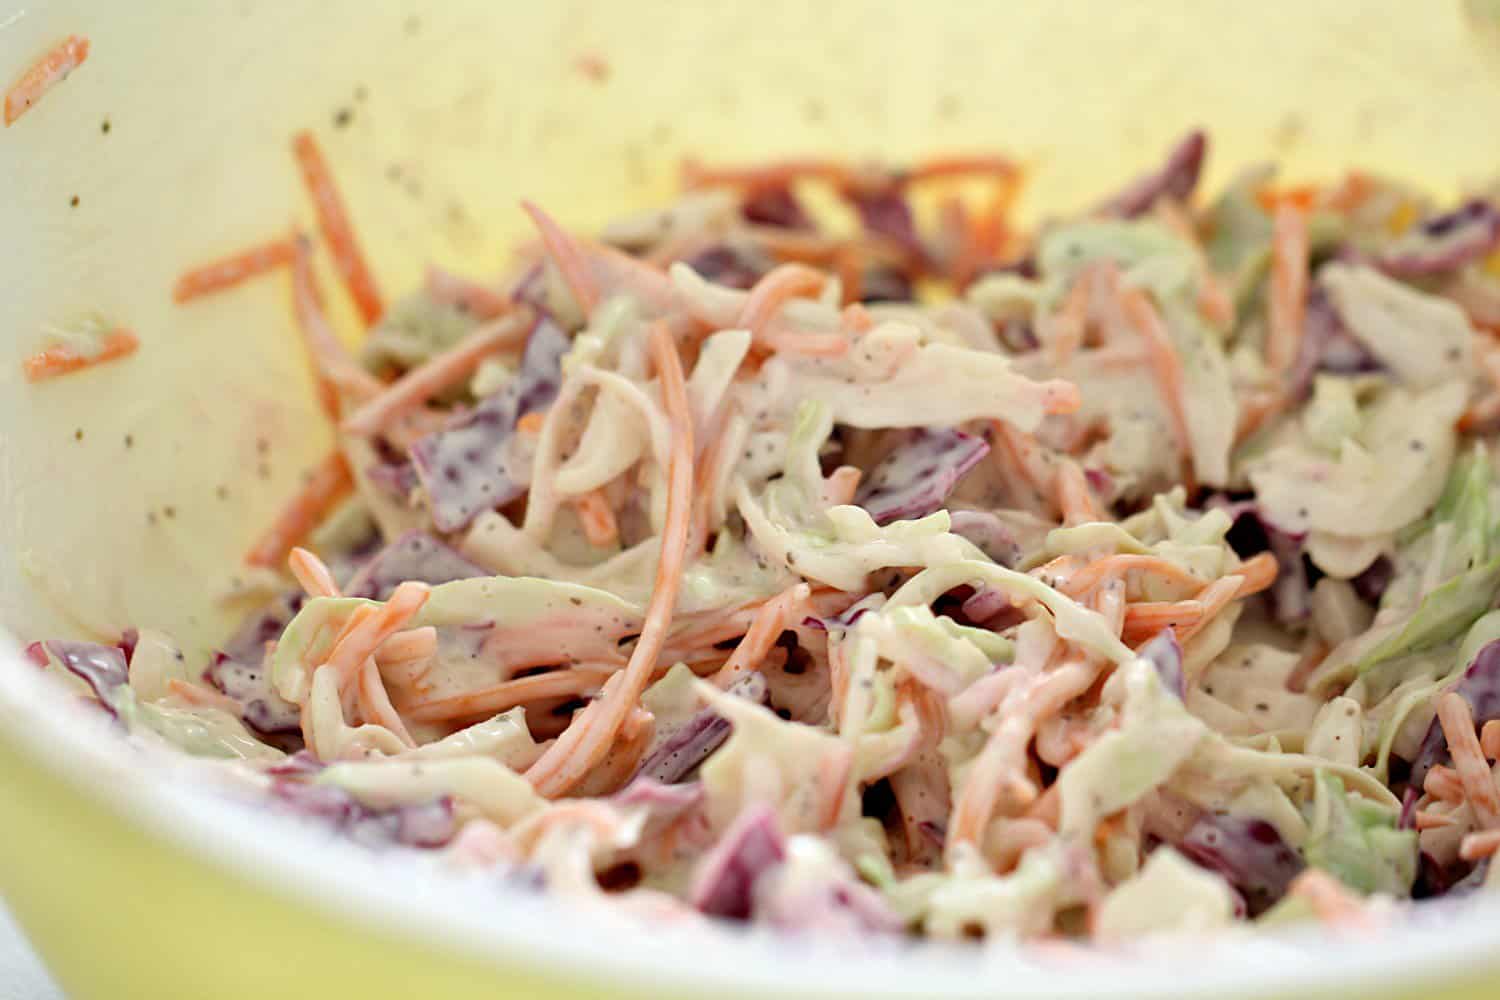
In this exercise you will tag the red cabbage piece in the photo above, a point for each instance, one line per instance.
(1176, 179)
(884, 211)
(428, 824)
(725, 882)
(462, 468)
(725, 265)
(989, 533)
(836, 905)
(681, 753)
(103, 668)
(416, 555)
(1444, 242)
(1249, 853)
(775, 206)
(1371, 584)
(238, 670)
(1480, 687)
(395, 479)
(885, 284)
(1164, 652)
(843, 620)
(917, 477)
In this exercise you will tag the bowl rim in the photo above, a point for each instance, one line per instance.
(176, 798)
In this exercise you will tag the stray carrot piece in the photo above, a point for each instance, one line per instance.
(43, 75)
(1301, 198)
(966, 165)
(1426, 819)
(1074, 497)
(1100, 570)
(229, 271)
(478, 300)
(1330, 899)
(597, 518)
(1457, 721)
(1288, 298)
(504, 695)
(1443, 784)
(1215, 598)
(531, 423)
(1479, 845)
(333, 219)
(769, 175)
(63, 360)
(1489, 739)
(313, 574)
(1166, 366)
(841, 485)
(1145, 619)
(202, 697)
(1259, 572)
(325, 487)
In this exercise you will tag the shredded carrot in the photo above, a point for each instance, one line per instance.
(1215, 598)
(586, 740)
(478, 300)
(411, 644)
(568, 257)
(227, 272)
(1479, 845)
(1457, 721)
(1069, 324)
(1147, 618)
(43, 75)
(1353, 191)
(1259, 572)
(312, 573)
(1330, 899)
(832, 780)
(1166, 366)
(328, 483)
(1303, 198)
(350, 652)
(1257, 408)
(1426, 819)
(1109, 567)
(1311, 659)
(597, 518)
(437, 373)
(1443, 784)
(1074, 496)
(202, 697)
(505, 695)
(532, 422)
(336, 372)
(1489, 739)
(64, 360)
(375, 703)
(966, 165)
(333, 219)
(769, 175)
(1288, 299)
(770, 621)
(780, 285)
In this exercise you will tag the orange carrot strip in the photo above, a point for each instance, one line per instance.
(437, 373)
(1259, 572)
(1288, 298)
(769, 175)
(1099, 570)
(325, 487)
(334, 369)
(963, 165)
(43, 75)
(1215, 598)
(842, 484)
(1330, 899)
(313, 574)
(1457, 720)
(505, 695)
(349, 653)
(333, 219)
(1489, 739)
(1166, 366)
(531, 423)
(1145, 619)
(1301, 198)
(375, 703)
(597, 518)
(1425, 819)
(584, 743)
(202, 697)
(1443, 784)
(780, 285)
(1479, 845)
(478, 300)
(1074, 497)
(770, 621)
(565, 253)
(227, 272)
(64, 360)
(411, 644)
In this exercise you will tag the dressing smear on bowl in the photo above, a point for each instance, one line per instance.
(910, 572)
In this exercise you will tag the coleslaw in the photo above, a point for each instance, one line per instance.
(873, 565)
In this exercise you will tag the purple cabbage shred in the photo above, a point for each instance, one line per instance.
(915, 479)
(1175, 179)
(681, 753)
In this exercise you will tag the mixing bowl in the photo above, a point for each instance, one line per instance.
(128, 491)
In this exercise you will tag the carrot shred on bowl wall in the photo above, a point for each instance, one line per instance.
(43, 75)
(333, 219)
(226, 272)
(63, 360)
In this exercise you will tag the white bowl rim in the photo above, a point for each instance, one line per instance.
(165, 794)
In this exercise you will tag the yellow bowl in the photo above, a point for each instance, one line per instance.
(128, 490)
